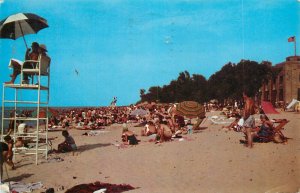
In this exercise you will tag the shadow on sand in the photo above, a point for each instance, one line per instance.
(18, 178)
(83, 148)
(22, 165)
(199, 129)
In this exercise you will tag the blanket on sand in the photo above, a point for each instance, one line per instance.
(92, 187)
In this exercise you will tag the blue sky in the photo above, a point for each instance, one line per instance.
(121, 46)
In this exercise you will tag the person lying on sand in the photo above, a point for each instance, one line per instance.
(235, 124)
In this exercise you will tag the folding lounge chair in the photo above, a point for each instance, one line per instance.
(276, 135)
(277, 130)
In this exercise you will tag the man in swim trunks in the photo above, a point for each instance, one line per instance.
(249, 121)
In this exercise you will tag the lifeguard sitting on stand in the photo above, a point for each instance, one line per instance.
(16, 64)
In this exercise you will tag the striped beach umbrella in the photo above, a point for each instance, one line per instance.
(190, 109)
(20, 24)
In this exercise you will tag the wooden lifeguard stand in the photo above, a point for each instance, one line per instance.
(39, 99)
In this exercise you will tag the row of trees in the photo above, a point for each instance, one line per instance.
(228, 83)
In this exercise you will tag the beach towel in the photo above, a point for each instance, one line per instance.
(219, 121)
(95, 133)
(22, 187)
(55, 159)
(268, 108)
(92, 187)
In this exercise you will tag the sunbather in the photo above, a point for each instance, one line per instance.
(267, 131)
(149, 129)
(264, 131)
(235, 124)
(266, 128)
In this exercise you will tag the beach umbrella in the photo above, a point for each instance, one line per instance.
(190, 109)
(139, 112)
(21, 24)
(268, 108)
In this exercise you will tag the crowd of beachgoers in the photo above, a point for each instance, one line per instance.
(158, 120)
(162, 122)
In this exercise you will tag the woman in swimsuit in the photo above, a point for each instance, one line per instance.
(266, 128)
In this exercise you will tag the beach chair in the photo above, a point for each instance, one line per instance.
(276, 135)
(39, 67)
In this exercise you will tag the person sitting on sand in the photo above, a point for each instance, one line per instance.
(128, 137)
(164, 132)
(179, 122)
(149, 129)
(22, 128)
(69, 143)
(20, 142)
(171, 123)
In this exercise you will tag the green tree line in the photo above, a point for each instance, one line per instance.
(227, 83)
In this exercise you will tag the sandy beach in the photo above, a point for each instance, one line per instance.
(211, 160)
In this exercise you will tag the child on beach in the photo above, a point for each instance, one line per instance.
(69, 143)
(128, 137)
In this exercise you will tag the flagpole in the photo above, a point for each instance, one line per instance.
(295, 46)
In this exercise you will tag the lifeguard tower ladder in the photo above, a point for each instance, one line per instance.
(38, 139)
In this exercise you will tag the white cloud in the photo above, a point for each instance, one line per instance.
(1, 1)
